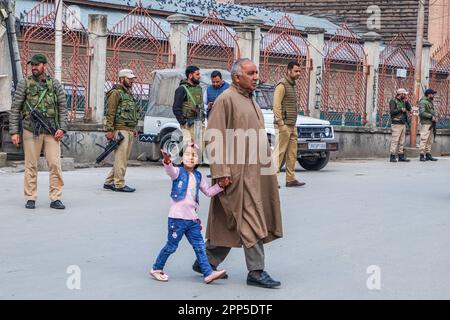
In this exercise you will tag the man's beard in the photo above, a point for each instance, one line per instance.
(431, 98)
(128, 85)
(195, 81)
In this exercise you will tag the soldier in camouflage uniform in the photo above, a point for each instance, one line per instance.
(427, 116)
(398, 108)
(122, 116)
(45, 94)
(188, 105)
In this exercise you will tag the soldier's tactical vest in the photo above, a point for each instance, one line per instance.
(429, 108)
(189, 105)
(41, 97)
(289, 104)
(127, 110)
(400, 116)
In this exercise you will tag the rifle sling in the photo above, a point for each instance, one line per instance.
(41, 97)
(189, 95)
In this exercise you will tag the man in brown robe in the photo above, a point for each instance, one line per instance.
(248, 212)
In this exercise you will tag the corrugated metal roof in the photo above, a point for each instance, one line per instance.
(114, 16)
(396, 57)
(201, 8)
(283, 45)
(350, 52)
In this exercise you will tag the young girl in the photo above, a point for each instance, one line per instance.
(183, 217)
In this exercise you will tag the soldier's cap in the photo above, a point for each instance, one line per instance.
(38, 58)
(402, 91)
(430, 91)
(126, 73)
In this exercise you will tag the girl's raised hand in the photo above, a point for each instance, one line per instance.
(166, 157)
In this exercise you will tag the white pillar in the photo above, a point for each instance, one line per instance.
(316, 51)
(249, 39)
(426, 65)
(5, 71)
(179, 25)
(58, 39)
(97, 45)
(372, 41)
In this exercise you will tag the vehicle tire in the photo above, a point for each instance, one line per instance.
(154, 154)
(172, 143)
(314, 163)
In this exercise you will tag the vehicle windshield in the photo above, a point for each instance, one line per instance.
(264, 97)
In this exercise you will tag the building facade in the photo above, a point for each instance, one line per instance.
(396, 15)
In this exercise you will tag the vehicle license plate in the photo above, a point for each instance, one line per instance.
(317, 145)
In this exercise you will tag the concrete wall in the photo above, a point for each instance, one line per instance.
(82, 138)
(396, 15)
(439, 28)
(356, 142)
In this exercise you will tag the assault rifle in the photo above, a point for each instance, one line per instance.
(110, 147)
(433, 127)
(45, 123)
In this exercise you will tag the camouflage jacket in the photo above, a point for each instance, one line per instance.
(395, 109)
(426, 111)
(19, 109)
(122, 110)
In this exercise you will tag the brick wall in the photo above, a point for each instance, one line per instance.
(396, 15)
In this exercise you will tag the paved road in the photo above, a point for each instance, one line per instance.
(352, 215)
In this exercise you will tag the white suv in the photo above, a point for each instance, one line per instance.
(315, 136)
(162, 130)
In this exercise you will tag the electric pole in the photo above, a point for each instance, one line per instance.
(418, 71)
(58, 39)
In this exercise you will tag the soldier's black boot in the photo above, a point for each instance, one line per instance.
(422, 157)
(393, 158)
(430, 158)
(31, 204)
(402, 158)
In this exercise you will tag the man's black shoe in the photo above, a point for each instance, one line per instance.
(57, 205)
(422, 157)
(196, 268)
(402, 158)
(125, 189)
(263, 281)
(429, 157)
(31, 204)
(108, 186)
(393, 158)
